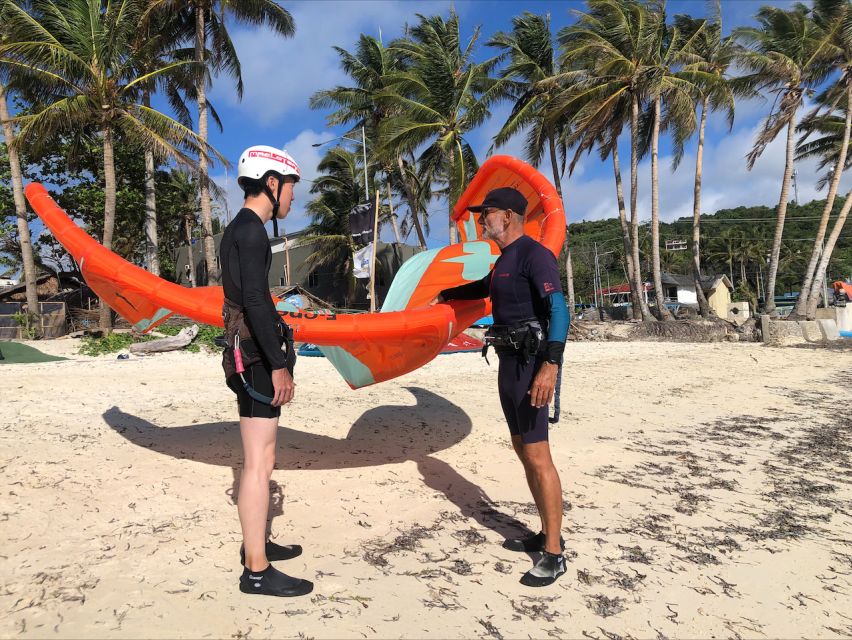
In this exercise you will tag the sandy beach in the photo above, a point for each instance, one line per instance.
(707, 489)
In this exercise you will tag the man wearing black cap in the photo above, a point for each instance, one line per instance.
(529, 332)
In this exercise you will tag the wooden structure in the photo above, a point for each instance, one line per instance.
(51, 320)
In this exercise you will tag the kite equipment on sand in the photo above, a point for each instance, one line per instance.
(365, 348)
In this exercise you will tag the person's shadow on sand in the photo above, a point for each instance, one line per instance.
(382, 435)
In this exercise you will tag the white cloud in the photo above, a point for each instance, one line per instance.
(280, 74)
(726, 182)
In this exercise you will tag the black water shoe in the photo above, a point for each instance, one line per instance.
(530, 543)
(275, 552)
(271, 582)
(545, 571)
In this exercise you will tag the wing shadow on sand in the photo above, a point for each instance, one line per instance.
(382, 435)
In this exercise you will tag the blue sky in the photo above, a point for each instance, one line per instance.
(281, 74)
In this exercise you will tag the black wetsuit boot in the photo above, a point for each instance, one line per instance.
(546, 570)
(271, 582)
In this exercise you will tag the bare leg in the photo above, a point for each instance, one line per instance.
(258, 436)
(518, 445)
(546, 489)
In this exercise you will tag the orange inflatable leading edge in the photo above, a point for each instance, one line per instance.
(365, 348)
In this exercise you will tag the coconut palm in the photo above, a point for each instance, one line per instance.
(177, 194)
(788, 55)
(671, 90)
(707, 63)
(531, 82)
(25, 241)
(370, 66)
(26, 247)
(215, 53)
(610, 51)
(338, 189)
(176, 87)
(835, 19)
(441, 96)
(80, 53)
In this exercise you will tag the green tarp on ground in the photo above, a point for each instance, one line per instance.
(17, 353)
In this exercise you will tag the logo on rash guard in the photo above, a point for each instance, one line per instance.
(548, 287)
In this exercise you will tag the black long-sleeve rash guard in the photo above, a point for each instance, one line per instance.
(246, 259)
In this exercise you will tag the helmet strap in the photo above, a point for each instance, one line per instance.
(276, 203)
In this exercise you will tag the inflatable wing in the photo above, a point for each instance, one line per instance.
(365, 348)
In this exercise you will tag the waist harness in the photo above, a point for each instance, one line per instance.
(241, 351)
(523, 339)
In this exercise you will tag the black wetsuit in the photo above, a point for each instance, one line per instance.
(246, 258)
(523, 277)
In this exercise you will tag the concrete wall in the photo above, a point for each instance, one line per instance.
(787, 332)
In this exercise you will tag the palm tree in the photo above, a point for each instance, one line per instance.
(178, 194)
(712, 56)
(441, 96)
(609, 50)
(27, 258)
(531, 81)
(81, 53)
(835, 19)
(210, 29)
(176, 87)
(370, 67)
(788, 55)
(670, 89)
(724, 248)
(339, 190)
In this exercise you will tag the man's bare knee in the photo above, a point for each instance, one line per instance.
(536, 455)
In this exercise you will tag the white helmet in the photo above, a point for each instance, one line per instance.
(257, 161)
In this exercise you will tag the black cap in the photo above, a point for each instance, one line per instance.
(503, 198)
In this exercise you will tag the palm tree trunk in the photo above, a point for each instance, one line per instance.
(204, 187)
(412, 203)
(20, 213)
(453, 189)
(393, 217)
(779, 223)
(190, 257)
(819, 274)
(569, 267)
(152, 254)
(803, 303)
(703, 306)
(634, 214)
(662, 312)
(109, 216)
(635, 294)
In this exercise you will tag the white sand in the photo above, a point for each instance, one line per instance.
(710, 492)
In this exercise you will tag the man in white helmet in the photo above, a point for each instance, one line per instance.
(256, 367)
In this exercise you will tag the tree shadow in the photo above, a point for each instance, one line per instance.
(382, 435)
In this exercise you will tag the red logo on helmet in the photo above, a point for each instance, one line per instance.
(276, 157)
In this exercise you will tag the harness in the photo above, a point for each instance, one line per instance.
(524, 339)
(241, 351)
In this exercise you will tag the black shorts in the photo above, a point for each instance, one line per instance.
(514, 380)
(259, 376)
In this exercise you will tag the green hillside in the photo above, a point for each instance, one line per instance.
(733, 241)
